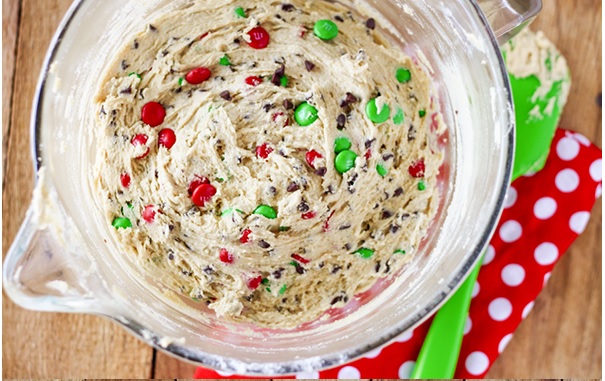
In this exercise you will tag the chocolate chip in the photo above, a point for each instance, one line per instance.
(272, 190)
(405, 216)
(226, 95)
(339, 18)
(263, 244)
(336, 300)
(411, 133)
(369, 143)
(236, 40)
(281, 71)
(349, 100)
(276, 80)
(208, 270)
(387, 156)
(377, 267)
(127, 90)
(388, 268)
(171, 227)
(288, 105)
(344, 227)
(341, 120)
(299, 269)
(371, 23)
(335, 269)
(303, 207)
(347, 246)
(268, 106)
(171, 256)
(277, 273)
(153, 28)
(386, 214)
(293, 187)
(398, 192)
(124, 65)
(135, 44)
(309, 65)
(394, 228)
(321, 171)
(320, 265)
(287, 7)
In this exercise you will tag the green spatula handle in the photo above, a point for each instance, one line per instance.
(442, 343)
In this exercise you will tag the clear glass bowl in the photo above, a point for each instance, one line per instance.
(64, 259)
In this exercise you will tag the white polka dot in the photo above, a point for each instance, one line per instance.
(568, 149)
(308, 375)
(405, 370)
(545, 208)
(489, 256)
(578, 222)
(599, 191)
(510, 231)
(546, 253)
(513, 275)
(567, 180)
(527, 309)
(546, 278)
(373, 354)
(468, 325)
(406, 336)
(224, 374)
(500, 309)
(510, 198)
(476, 289)
(504, 342)
(596, 170)
(349, 373)
(582, 139)
(476, 363)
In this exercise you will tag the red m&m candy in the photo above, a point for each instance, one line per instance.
(153, 114)
(198, 75)
(259, 38)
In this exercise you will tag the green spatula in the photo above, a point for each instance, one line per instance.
(537, 113)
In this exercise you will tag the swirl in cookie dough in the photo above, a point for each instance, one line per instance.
(262, 163)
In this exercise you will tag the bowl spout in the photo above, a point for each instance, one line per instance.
(47, 267)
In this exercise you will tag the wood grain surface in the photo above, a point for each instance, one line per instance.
(560, 338)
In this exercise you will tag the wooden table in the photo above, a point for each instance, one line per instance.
(561, 337)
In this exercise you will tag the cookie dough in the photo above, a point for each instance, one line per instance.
(268, 160)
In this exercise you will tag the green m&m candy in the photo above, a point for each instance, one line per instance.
(382, 171)
(341, 144)
(240, 12)
(121, 223)
(345, 161)
(403, 75)
(305, 114)
(365, 253)
(399, 252)
(325, 29)
(375, 115)
(267, 211)
(225, 61)
(399, 116)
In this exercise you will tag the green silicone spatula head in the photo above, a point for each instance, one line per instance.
(540, 84)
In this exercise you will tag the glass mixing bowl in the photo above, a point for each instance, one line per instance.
(64, 258)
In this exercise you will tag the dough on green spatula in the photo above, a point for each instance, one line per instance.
(540, 82)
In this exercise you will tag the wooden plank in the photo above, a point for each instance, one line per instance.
(37, 345)
(10, 24)
(169, 367)
(562, 335)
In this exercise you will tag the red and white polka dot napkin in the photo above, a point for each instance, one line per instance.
(517, 265)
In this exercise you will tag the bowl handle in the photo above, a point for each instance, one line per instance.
(508, 17)
(47, 267)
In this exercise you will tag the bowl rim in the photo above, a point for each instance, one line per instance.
(225, 364)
